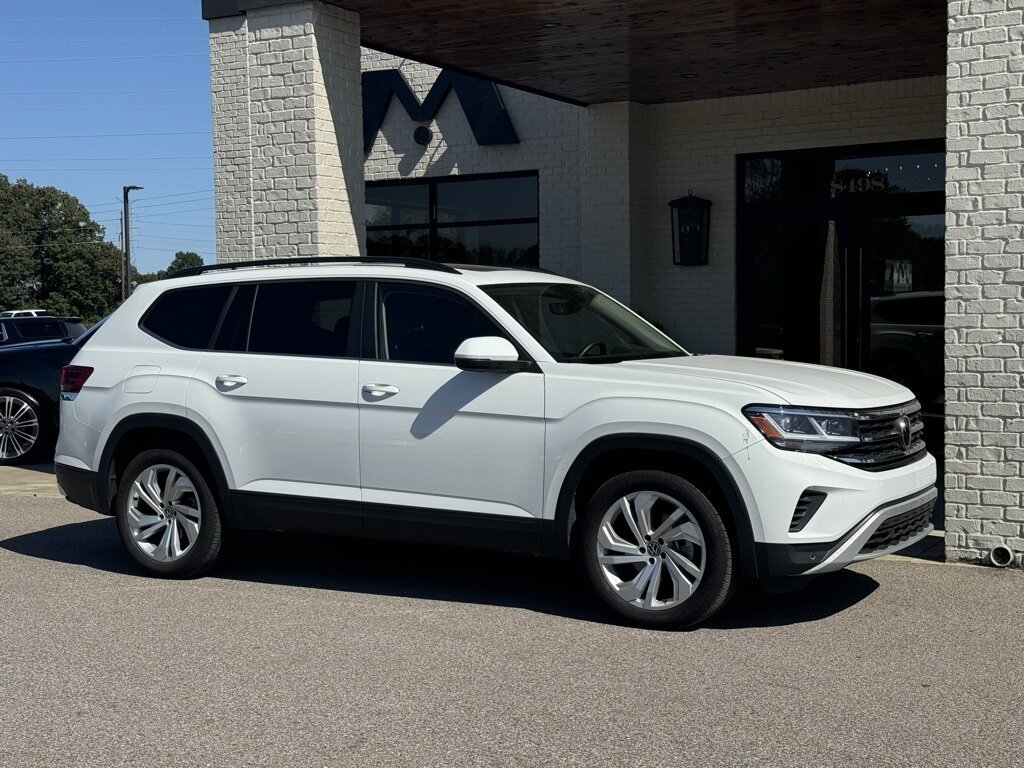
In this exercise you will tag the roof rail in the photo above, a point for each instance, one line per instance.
(410, 263)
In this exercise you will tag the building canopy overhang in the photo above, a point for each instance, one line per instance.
(653, 51)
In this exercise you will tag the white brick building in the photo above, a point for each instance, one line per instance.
(854, 195)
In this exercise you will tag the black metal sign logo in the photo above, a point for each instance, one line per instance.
(482, 104)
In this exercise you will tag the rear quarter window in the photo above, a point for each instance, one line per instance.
(39, 330)
(187, 317)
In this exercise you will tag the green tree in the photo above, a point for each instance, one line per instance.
(184, 260)
(53, 255)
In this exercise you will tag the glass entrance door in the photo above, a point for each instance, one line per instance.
(902, 318)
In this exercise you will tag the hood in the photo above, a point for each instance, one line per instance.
(816, 386)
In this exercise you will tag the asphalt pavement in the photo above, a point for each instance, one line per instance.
(304, 651)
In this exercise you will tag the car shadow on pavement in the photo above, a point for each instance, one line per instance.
(430, 572)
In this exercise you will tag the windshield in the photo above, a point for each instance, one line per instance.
(579, 324)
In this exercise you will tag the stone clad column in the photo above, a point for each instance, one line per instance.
(984, 279)
(287, 131)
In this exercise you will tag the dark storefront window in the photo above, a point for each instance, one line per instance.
(841, 260)
(489, 219)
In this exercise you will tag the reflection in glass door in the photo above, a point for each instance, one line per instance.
(903, 270)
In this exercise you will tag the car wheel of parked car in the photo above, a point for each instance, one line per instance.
(23, 432)
(167, 516)
(656, 550)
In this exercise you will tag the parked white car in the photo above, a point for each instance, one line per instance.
(24, 313)
(502, 408)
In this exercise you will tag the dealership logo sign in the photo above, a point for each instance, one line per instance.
(485, 111)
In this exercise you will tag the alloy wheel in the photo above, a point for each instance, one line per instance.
(164, 514)
(19, 427)
(650, 549)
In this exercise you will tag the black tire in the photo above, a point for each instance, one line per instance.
(204, 552)
(719, 579)
(42, 449)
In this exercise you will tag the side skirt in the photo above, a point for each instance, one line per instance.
(276, 512)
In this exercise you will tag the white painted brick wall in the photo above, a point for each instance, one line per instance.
(608, 172)
(232, 156)
(693, 145)
(549, 136)
(288, 124)
(984, 279)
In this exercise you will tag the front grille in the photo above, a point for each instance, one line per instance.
(881, 446)
(898, 529)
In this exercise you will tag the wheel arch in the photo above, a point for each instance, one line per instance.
(620, 453)
(140, 432)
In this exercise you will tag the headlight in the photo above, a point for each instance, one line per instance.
(804, 429)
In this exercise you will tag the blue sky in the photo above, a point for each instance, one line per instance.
(82, 71)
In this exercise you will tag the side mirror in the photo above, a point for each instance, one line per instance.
(489, 353)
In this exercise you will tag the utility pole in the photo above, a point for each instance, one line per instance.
(120, 242)
(127, 266)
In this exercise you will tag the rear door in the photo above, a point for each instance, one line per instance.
(446, 452)
(280, 394)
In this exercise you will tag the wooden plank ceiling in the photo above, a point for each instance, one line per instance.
(651, 51)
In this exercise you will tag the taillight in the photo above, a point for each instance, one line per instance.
(73, 378)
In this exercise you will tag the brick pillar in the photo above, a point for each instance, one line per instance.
(287, 132)
(984, 279)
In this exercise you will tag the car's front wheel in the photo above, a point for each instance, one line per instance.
(656, 550)
(166, 515)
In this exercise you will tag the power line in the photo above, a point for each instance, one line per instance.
(174, 213)
(104, 58)
(176, 194)
(77, 21)
(156, 205)
(116, 170)
(146, 220)
(165, 205)
(57, 245)
(148, 235)
(115, 40)
(128, 107)
(99, 159)
(65, 93)
(104, 135)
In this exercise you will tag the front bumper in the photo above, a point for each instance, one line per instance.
(77, 485)
(887, 529)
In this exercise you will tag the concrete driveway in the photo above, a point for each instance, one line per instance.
(316, 652)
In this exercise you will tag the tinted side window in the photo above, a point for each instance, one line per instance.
(187, 317)
(39, 329)
(311, 318)
(233, 334)
(419, 324)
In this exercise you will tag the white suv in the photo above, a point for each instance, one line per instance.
(503, 408)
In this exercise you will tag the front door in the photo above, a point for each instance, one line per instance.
(444, 451)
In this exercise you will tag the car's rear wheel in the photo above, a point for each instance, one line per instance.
(656, 550)
(24, 436)
(167, 516)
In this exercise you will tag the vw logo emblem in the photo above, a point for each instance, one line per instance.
(653, 548)
(903, 427)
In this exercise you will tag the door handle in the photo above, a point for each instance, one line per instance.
(380, 390)
(227, 382)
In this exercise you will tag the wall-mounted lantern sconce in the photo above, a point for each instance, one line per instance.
(691, 218)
